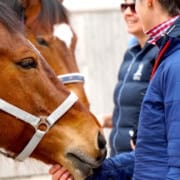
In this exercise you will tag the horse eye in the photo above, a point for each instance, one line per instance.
(27, 63)
(42, 41)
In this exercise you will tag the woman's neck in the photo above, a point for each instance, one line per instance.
(142, 39)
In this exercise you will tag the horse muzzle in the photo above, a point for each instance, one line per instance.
(85, 164)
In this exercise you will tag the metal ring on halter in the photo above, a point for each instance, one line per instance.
(36, 122)
(43, 123)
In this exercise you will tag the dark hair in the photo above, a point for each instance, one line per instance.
(15, 6)
(9, 19)
(172, 6)
(52, 12)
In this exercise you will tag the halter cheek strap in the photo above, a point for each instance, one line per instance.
(36, 122)
(71, 78)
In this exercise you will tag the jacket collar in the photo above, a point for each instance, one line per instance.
(174, 31)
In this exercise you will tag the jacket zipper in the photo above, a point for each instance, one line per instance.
(119, 95)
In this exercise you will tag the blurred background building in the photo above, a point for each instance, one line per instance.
(102, 40)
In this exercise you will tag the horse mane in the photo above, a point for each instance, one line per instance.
(53, 12)
(15, 6)
(9, 18)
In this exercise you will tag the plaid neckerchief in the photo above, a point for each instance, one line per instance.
(156, 32)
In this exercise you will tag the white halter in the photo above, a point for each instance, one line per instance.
(36, 122)
(71, 78)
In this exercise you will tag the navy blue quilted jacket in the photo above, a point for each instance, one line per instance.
(133, 79)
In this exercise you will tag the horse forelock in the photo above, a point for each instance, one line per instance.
(16, 6)
(53, 12)
(9, 19)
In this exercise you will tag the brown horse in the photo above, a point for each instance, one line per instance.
(54, 38)
(39, 117)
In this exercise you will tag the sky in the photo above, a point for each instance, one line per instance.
(91, 4)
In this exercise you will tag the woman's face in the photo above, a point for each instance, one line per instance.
(132, 21)
(144, 13)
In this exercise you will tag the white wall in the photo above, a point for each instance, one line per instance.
(84, 5)
(102, 41)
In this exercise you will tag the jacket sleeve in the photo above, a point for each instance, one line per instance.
(172, 118)
(117, 167)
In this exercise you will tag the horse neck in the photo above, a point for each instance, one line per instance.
(72, 67)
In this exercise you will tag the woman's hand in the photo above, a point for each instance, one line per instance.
(59, 172)
(106, 120)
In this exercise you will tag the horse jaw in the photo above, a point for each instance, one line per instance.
(70, 148)
(80, 165)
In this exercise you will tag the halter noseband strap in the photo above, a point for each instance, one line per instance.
(36, 122)
(71, 78)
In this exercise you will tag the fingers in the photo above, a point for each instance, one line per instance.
(54, 168)
(61, 174)
(106, 121)
(58, 172)
(132, 145)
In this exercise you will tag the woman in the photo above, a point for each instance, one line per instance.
(158, 140)
(133, 79)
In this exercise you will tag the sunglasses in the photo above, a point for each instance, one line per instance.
(124, 6)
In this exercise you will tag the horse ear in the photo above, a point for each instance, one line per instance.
(31, 9)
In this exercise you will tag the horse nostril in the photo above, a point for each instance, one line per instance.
(101, 141)
(102, 156)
